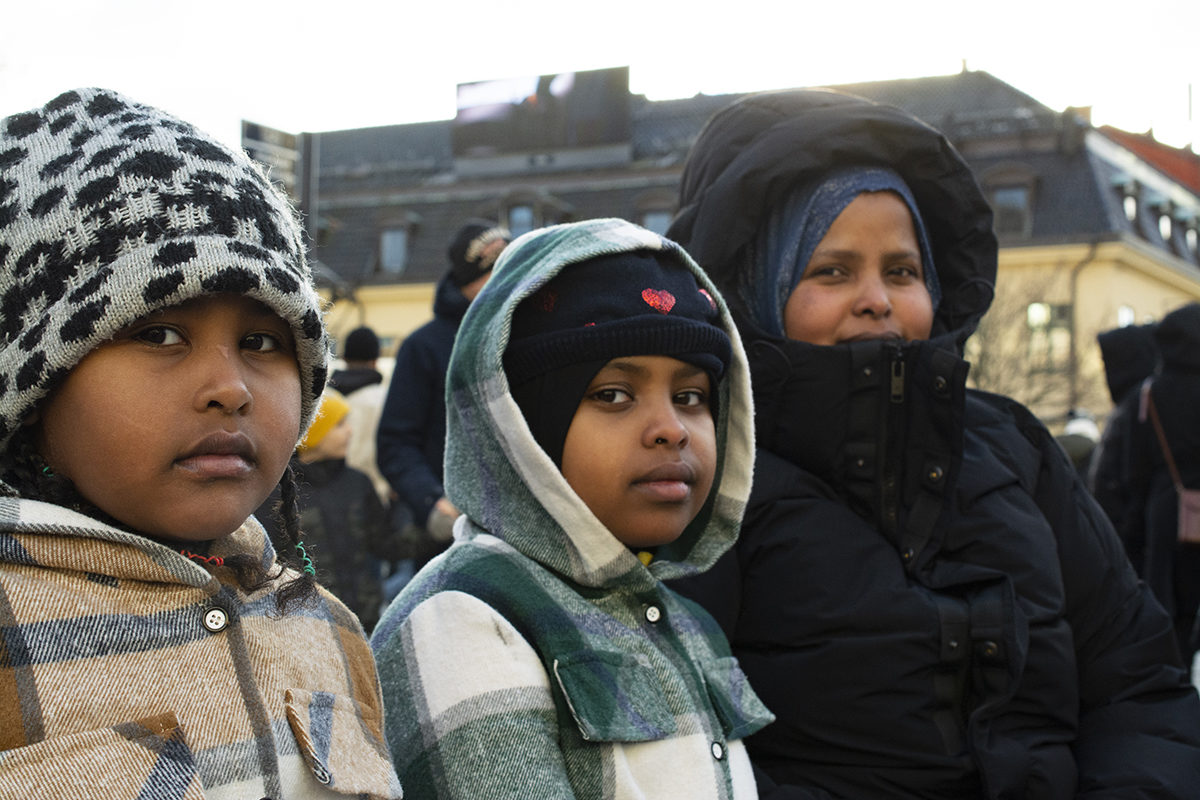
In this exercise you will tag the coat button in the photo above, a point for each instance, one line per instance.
(718, 750)
(907, 554)
(935, 474)
(991, 649)
(940, 384)
(321, 773)
(216, 620)
(653, 614)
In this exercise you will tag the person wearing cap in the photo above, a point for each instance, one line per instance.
(362, 384)
(345, 525)
(923, 592)
(412, 425)
(360, 352)
(599, 441)
(161, 353)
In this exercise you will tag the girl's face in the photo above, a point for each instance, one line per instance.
(864, 280)
(182, 424)
(641, 450)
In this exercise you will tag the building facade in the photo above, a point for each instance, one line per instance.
(1097, 229)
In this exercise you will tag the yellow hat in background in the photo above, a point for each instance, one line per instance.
(333, 407)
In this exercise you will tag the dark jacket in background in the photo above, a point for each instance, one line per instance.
(348, 381)
(412, 428)
(1136, 484)
(924, 593)
(1130, 356)
(345, 532)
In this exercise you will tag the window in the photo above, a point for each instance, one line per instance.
(1010, 191)
(525, 210)
(657, 221)
(520, 220)
(1126, 316)
(1164, 227)
(1130, 204)
(1010, 204)
(1049, 336)
(1192, 238)
(393, 251)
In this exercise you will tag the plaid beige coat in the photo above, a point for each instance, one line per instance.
(127, 670)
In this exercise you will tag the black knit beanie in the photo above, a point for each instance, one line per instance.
(467, 261)
(362, 344)
(626, 304)
(110, 210)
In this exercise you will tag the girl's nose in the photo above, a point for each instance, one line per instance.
(666, 428)
(222, 383)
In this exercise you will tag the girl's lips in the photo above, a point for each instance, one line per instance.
(668, 483)
(219, 455)
(216, 465)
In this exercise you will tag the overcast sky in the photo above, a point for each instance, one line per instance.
(302, 66)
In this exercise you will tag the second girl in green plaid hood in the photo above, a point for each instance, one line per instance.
(541, 655)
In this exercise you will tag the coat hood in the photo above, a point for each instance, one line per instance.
(507, 485)
(1178, 339)
(1130, 355)
(750, 154)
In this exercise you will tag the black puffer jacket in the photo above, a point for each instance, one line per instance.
(923, 593)
(1135, 485)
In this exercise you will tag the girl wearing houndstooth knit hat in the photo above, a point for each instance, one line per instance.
(161, 353)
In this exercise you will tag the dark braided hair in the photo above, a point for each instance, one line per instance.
(25, 471)
(303, 587)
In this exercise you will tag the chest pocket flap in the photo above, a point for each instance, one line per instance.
(737, 706)
(342, 746)
(613, 697)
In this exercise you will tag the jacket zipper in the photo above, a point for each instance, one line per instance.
(890, 502)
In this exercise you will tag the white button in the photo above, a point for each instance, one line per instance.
(653, 614)
(216, 620)
(718, 750)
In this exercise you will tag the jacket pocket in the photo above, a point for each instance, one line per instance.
(613, 697)
(738, 708)
(143, 758)
(342, 746)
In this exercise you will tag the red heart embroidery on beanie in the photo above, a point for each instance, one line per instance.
(660, 300)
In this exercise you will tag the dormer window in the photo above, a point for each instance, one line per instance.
(1010, 191)
(1127, 189)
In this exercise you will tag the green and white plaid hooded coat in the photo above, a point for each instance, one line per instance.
(538, 657)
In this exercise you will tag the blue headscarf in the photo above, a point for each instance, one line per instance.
(795, 227)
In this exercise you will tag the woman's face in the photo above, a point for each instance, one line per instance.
(864, 280)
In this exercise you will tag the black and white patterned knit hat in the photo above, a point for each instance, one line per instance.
(110, 210)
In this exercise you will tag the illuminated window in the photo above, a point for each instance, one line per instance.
(1164, 227)
(1130, 204)
(1125, 316)
(1049, 336)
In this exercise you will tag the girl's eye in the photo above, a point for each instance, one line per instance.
(159, 335)
(262, 342)
(691, 397)
(612, 396)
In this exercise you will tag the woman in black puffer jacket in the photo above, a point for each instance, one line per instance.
(924, 592)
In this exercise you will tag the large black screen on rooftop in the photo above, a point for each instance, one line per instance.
(542, 114)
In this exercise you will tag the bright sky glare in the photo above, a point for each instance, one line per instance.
(303, 66)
